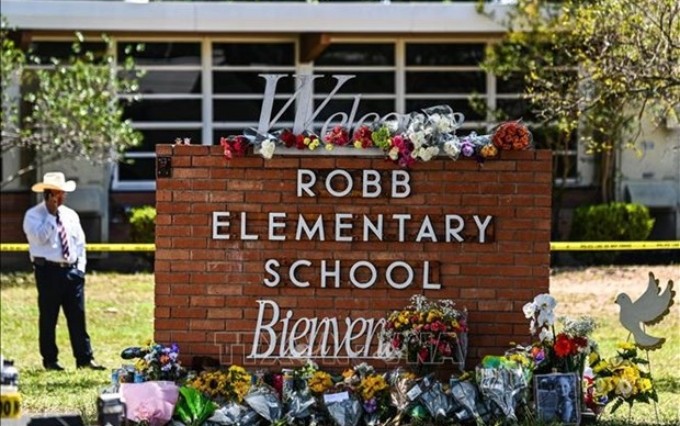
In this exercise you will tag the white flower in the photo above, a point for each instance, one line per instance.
(394, 154)
(426, 154)
(532, 326)
(545, 335)
(529, 310)
(545, 302)
(452, 148)
(267, 149)
(418, 138)
(545, 318)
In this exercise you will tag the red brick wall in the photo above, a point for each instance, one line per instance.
(206, 289)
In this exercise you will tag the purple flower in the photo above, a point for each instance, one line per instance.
(371, 405)
(467, 148)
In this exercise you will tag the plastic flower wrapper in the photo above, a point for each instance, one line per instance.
(299, 405)
(436, 401)
(297, 398)
(344, 408)
(418, 131)
(500, 380)
(265, 144)
(263, 399)
(512, 135)
(228, 414)
(443, 119)
(467, 401)
(151, 402)
(451, 145)
(400, 382)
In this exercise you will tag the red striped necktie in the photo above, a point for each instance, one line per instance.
(63, 238)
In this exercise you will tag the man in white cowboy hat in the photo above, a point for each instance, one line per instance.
(57, 248)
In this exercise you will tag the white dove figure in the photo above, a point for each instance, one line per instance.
(649, 309)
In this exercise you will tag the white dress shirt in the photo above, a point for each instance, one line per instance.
(43, 239)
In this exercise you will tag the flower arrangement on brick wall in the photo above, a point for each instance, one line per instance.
(419, 137)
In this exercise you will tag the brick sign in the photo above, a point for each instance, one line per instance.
(266, 262)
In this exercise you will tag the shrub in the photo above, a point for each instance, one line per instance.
(143, 230)
(143, 224)
(610, 222)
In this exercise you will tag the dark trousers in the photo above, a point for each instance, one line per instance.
(55, 291)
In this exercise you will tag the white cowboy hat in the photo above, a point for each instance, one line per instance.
(56, 181)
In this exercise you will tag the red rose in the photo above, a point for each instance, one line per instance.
(288, 138)
(579, 342)
(563, 346)
(300, 142)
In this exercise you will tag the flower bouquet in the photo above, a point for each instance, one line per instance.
(513, 135)
(159, 362)
(224, 386)
(234, 146)
(428, 332)
(622, 379)
(565, 351)
(373, 391)
(337, 136)
(502, 381)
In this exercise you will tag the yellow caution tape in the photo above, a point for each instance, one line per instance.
(614, 245)
(554, 246)
(90, 247)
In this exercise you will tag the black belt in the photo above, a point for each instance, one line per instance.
(41, 261)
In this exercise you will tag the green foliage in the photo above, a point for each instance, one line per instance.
(11, 59)
(610, 222)
(193, 407)
(73, 107)
(143, 224)
(594, 68)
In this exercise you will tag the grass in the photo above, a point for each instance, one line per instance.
(120, 314)
(119, 311)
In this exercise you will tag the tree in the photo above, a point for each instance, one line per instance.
(69, 109)
(596, 68)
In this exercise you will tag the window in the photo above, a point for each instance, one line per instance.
(238, 89)
(446, 73)
(372, 64)
(170, 105)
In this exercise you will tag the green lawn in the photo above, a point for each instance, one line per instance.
(120, 314)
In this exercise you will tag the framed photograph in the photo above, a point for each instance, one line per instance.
(557, 398)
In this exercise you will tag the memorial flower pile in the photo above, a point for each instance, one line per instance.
(565, 351)
(622, 379)
(404, 139)
(426, 332)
